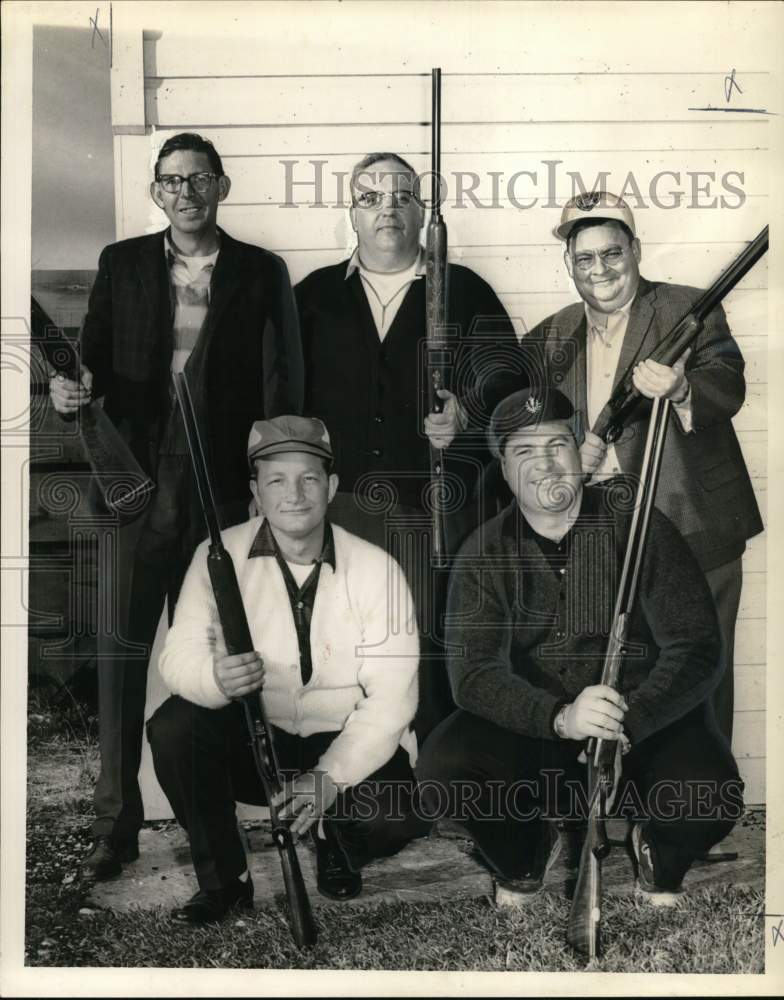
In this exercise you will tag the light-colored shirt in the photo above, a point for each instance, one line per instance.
(603, 349)
(385, 290)
(364, 649)
(606, 332)
(190, 279)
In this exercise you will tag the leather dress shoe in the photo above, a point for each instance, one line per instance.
(209, 906)
(107, 856)
(334, 878)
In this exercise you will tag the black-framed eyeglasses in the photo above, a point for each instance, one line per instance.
(172, 183)
(611, 257)
(374, 199)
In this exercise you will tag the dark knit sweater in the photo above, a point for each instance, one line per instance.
(372, 395)
(529, 621)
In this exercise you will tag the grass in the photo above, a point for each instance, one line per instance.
(718, 929)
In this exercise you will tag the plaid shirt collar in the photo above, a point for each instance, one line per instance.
(354, 264)
(264, 544)
(173, 255)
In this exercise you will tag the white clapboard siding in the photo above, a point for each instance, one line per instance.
(333, 39)
(518, 178)
(544, 140)
(277, 100)
(293, 92)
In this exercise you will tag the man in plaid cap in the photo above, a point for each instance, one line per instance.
(337, 663)
(589, 348)
(530, 606)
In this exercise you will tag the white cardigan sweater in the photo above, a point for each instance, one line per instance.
(363, 639)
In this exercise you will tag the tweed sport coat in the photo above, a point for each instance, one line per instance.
(253, 361)
(704, 488)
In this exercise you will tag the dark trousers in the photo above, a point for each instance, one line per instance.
(726, 583)
(143, 566)
(499, 787)
(204, 764)
(404, 532)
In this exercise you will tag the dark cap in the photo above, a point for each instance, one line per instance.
(288, 433)
(525, 408)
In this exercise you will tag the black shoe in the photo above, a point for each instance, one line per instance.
(209, 906)
(335, 879)
(107, 856)
(512, 893)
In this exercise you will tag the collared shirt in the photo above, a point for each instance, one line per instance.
(302, 595)
(582, 565)
(385, 291)
(189, 280)
(603, 350)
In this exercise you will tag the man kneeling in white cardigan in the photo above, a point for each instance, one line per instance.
(333, 625)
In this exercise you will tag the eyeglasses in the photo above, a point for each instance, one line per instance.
(172, 183)
(373, 199)
(612, 257)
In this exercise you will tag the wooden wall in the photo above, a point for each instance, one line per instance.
(547, 89)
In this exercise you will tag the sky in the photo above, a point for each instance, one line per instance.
(73, 169)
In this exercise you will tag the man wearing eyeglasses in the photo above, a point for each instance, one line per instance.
(363, 332)
(189, 299)
(705, 488)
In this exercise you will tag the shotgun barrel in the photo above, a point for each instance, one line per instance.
(603, 756)
(237, 637)
(436, 324)
(609, 423)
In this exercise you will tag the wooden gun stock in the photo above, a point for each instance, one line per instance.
(237, 637)
(583, 931)
(123, 485)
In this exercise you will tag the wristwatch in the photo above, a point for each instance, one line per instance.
(559, 722)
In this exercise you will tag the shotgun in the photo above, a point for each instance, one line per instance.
(237, 637)
(436, 319)
(603, 756)
(124, 487)
(609, 423)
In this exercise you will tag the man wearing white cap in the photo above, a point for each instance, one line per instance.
(590, 347)
(338, 669)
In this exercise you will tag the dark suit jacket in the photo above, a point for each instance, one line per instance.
(253, 353)
(704, 488)
(372, 394)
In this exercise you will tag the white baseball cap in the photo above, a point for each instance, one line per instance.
(596, 206)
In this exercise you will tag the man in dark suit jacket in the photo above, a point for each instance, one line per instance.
(363, 333)
(588, 348)
(188, 299)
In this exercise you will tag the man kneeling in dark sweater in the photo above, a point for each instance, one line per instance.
(530, 607)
